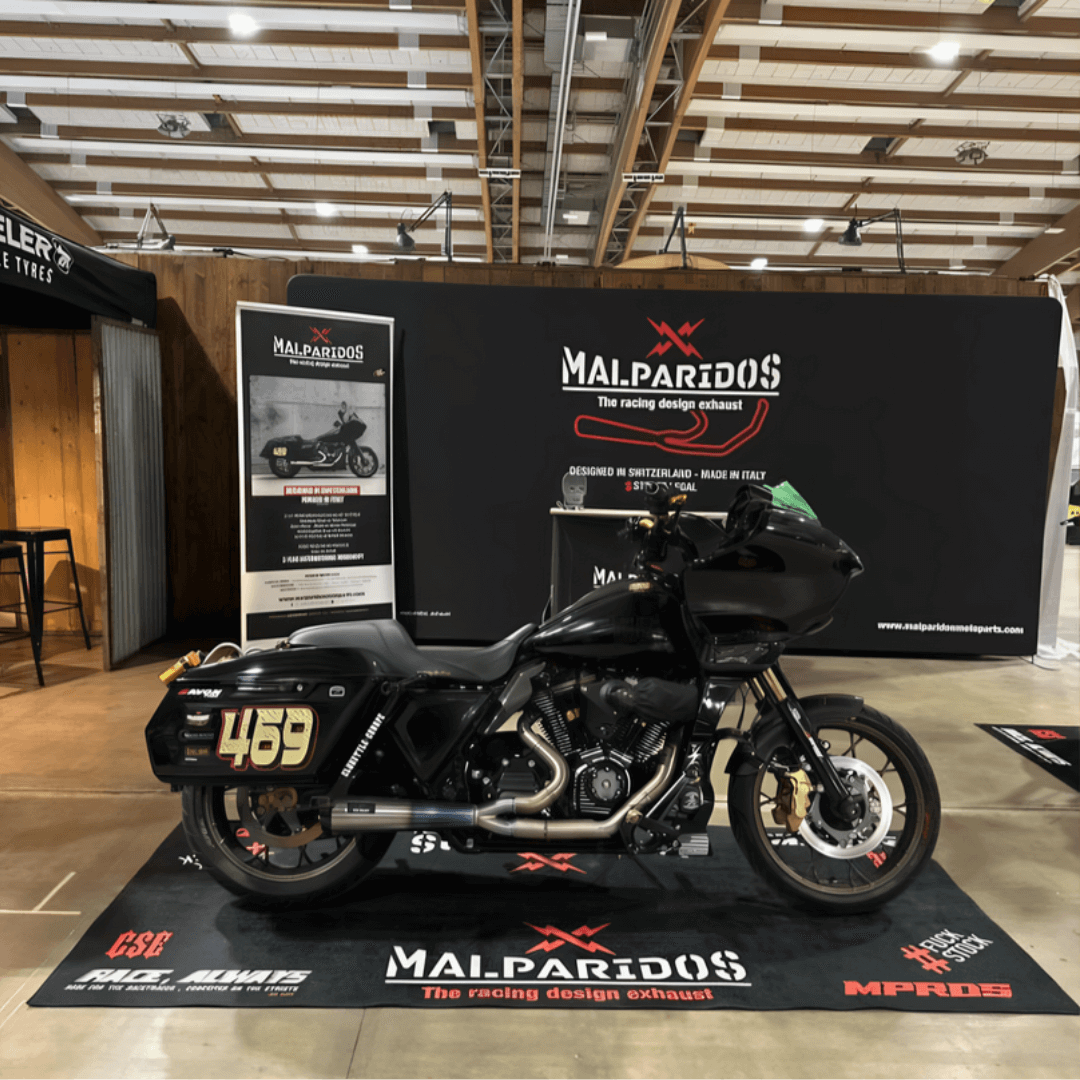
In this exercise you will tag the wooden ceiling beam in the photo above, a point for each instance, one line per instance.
(1044, 252)
(236, 73)
(256, 140)
(517, 93)
(25, 190)
(278, 217)
(803, 211)
(884, 129)
(253, 194)
(223, 35)
(865, 58)
(625, 154)
(696, 53)
(994, 21)
(868, 188)
(913, 101)
(239, 243)
(166, 165)
(1051, 167)
(131, 103)
(791, 236)
(479, 89)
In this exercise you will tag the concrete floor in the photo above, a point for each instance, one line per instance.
(82, 811)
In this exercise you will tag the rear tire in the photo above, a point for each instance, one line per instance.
(283, 468)
(296, 870)
(806, 872)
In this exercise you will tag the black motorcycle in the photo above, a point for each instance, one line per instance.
(333, 450)
(593, 732)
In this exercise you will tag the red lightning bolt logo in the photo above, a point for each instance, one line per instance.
(562, 937)
(674, 338)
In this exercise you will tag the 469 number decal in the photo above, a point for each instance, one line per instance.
(267, 738)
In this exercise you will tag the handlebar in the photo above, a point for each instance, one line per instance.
(659, 529)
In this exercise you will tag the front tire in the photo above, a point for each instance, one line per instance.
(363, 461)
(272, 853)
(283, 468)
(813, 867)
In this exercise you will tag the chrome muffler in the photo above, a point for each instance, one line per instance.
(359, 814)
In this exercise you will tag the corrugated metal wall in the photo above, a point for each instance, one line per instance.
(130, 371)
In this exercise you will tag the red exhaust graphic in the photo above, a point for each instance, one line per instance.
(670, 440)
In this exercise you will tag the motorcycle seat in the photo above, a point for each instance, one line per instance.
(386, 643)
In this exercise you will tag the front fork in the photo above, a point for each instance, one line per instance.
(771, 686)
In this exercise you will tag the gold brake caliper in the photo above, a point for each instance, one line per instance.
(792, 800)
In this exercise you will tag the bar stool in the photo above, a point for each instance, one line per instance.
(35, 537)
(14, 551)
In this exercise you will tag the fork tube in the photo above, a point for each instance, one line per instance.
(775, 688)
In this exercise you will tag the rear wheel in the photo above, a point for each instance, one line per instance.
(266, 843)
(828, 864)
(283, 467)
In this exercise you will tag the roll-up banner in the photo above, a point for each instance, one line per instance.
(316, 522)
(916, 427)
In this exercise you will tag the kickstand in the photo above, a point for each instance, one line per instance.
(646, 871)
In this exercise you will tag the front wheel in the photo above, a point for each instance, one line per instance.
(265, 843)
(809, 855)
(363, 462)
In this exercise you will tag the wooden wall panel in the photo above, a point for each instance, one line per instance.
(54, 470)
(197, 298)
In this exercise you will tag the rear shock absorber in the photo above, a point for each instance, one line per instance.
(554, 721)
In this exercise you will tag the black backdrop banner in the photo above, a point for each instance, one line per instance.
(917, 427)
(33, 258)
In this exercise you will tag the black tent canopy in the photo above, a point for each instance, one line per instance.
(47, 280)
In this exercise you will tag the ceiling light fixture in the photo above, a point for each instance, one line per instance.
(361, 249)
(173, 125)
(814, 224)
(851, 237)
(972, 153)
(404, 241)
(324, 209)
(759, 263)
(242, 24)
(945, 51)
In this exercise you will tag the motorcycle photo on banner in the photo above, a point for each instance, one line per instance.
(314, 397)
(593, 732)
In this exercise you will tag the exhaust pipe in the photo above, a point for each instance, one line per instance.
(355, 815)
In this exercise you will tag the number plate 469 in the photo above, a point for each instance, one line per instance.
(267, 738)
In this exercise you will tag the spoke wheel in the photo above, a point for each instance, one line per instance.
(267, 844)
(363, 461)
(831, 865)
(283, 468)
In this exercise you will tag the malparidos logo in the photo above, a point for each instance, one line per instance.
(569, 965)
(318, 347)
(685, 370)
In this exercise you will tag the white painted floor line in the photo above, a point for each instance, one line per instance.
(55, 891)
(37, 910)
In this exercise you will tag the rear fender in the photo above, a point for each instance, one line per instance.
(770, 731)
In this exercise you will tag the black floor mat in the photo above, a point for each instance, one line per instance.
(437, 928)
(1056, 749)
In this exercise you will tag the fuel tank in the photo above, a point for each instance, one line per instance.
(639, 622)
